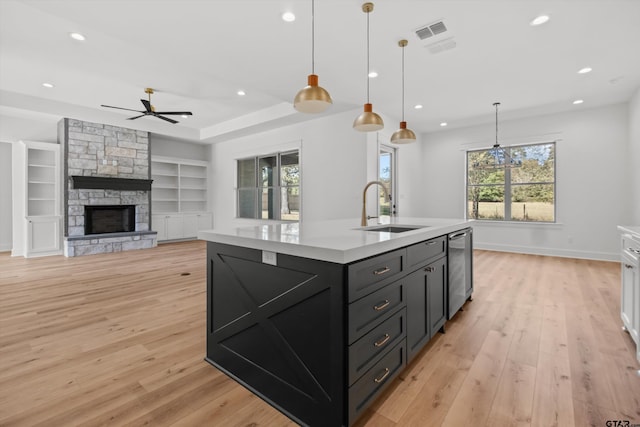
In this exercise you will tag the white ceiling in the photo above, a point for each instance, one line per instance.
(198, 53)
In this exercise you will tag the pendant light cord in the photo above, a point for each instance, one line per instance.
(313, 33)
(403, 83)
(496, 104)
(368, 57)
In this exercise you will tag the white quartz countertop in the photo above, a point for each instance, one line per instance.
(341, 241)
(631, 229)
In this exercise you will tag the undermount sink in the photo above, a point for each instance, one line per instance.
(394, 228)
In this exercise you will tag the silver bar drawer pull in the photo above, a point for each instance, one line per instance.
(382, 341)
(381, 271)
(385, 375)
(382, 306)
(633, 250)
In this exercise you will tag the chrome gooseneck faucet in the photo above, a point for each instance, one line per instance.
(363, 222)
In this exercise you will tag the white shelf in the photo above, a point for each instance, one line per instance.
(166, 187)
(165, 174)
(179, 185)
(36, 165)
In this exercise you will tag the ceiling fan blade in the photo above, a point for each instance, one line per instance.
(176, 113)
(147, 105)
(167, 119)
(120, 108)
(137, 117)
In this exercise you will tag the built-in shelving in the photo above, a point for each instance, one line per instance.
(179, 198)
(42, 170)
(179, 185)
(37, 198)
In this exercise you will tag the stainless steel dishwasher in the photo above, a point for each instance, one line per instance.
(460, 257)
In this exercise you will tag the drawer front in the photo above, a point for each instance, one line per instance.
(368, 312)
(375, 380)
(365, 352)
(372, 274)
(631, 245)
(424, 252)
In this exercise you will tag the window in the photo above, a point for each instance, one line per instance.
(525, 193)
(269, 187)
(386, 174)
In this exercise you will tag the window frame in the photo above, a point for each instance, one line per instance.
(508, 186)
(258, 188)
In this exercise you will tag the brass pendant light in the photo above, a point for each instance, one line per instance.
(403, 135)
(312, 98)
(368, 121)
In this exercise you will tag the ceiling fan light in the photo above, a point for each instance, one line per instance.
(403, 135)
(368, 121)
(312, 98)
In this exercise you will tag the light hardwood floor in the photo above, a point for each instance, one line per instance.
(119, 339)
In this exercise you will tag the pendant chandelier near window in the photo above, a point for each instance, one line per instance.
(368, 121)
(497, 157)
(312, 98)
(403, 135)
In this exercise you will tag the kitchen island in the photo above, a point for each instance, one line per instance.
(317, 318)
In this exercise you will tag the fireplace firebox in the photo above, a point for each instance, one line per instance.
(103, 219)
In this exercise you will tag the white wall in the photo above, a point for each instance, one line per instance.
(5, 197)
(36, 127)
(634, 158)
(333, 167)
(592, 154)
(165, 146)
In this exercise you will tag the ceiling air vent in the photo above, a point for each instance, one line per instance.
(442, 45)
(431, 30)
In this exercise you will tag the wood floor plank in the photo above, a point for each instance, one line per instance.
(553, 399)
(119, 339)
(512, 405)
(431, 405)
(473, 402)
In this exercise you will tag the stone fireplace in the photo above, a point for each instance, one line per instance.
(101, 219)
(107, 178)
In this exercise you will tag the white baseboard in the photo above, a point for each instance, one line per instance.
(563, 253)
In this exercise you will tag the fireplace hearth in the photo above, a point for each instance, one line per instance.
(102, 219)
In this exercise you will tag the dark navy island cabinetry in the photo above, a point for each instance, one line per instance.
(320, 340)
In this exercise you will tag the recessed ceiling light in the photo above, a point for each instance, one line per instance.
(584, 70)
(373, 74)
(443, 124)
(288, 17)
(418, 106)
(539, 20)
(47, 85)
(77, 36)
(184, 116)
(241, 93)
(578, 101)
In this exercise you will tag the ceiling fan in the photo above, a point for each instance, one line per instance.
(149, 110)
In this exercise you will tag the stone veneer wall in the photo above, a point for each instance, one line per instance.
(94, 149)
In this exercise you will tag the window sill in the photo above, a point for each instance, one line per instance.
(268, 221)
(517, 223)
